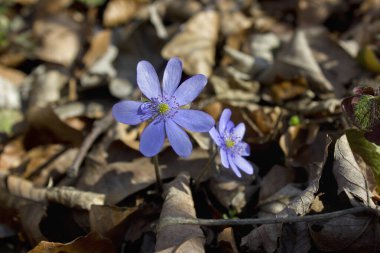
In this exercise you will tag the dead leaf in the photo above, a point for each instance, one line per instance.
(13, 75)
(30, 217)
(59, 39)
(92, 242)
(271, 182)
(99, 45)
(347, 233)
(349, 176)
(121, 179)
(43, 86)
(179, 203)
(226, 241)
(45, 123)
(9, 97)
(296, 59)
(119, 12)
(267, 235)
(200, 32)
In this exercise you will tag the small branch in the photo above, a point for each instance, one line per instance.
(158, 174)
(241, 222)
(205, 169)
(100, 126)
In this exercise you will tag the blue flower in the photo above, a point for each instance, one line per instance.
(231, 147)
(164, 109)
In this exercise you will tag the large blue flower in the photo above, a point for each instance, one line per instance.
(231, 147)
(164, 109)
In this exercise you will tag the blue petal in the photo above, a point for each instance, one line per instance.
(230, 125)
(246, 150)
(172, 76)
(193, 120)
(190, 89)
(233, 166)
(239, 131)
(215, 136)
(152, 138)
(178, 138)
(129, 112)
(224, 159)
(243, 164)
(147, 80)
(224, 119)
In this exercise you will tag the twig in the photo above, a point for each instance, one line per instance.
(100, 126)
(241, 222)
(205, 169)
(158, 174)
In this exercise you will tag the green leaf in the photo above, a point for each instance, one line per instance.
(367, 150)
(294, 120)
(367, 112)
(8, 118)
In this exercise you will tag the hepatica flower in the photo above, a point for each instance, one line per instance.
(164, 109)
(230, 144)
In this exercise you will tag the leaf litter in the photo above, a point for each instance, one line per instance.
(302, 75)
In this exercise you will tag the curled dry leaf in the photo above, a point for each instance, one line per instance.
(350, 177)
(200, 32)
(266, 236)
(179, 203)
(347, 233)
(59, 39)
(67, 196)
(92, 242)
(295, 60)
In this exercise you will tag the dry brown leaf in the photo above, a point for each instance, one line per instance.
(44, 123)
(119, 12)
(109, 221)
(182, 10)
(350, 177)
(314, 12)
(267, 235)
(195, 44)
(121, 179)
(347, 233)
(13, 75)
(98, 46)
(296, 60)
(59, 39)
(43, 86)
(296, 139)
(92, 242)
(226, 241)
(12, 154)
(271, 182)
(67, 196)
(179, 203)
(283, 90)
(231, 191)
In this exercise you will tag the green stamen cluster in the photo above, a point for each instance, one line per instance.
(163, 108)
(229, 143)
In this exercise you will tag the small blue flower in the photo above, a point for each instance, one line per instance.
(231, 147)
(164, 109)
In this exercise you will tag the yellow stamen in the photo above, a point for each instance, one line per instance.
(163, 108)
(229, 143)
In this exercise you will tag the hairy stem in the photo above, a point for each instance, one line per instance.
(205, 169)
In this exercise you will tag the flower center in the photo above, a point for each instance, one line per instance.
(229, 143)
(163, 108)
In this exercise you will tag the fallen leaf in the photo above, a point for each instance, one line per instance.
(179, 203)
(98, 46)
(200, 32)
(119, 12)
(59, 39)
(92, 242)
(226, 241)
(267, 235)
(296, 59)
(349, 176)
(347, 233)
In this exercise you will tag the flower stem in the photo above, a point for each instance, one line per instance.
(158, 173)
(205, 169)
